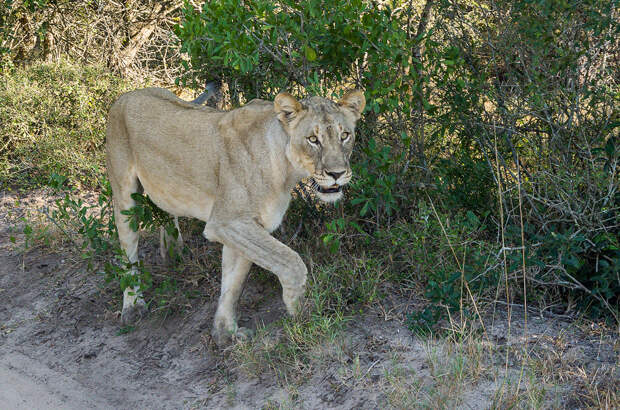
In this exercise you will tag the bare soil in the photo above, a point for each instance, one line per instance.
(61, 346)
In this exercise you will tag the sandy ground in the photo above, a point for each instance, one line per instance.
(60, 347)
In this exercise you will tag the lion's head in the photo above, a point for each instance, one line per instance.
(322, 133)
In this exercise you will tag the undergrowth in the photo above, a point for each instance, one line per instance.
(53, 120)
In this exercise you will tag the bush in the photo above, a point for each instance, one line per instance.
(53, 121)
(501, 111)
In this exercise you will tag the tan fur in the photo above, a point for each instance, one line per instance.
(235, 171)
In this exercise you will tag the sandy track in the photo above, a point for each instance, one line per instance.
(29, 384)
(60, 346)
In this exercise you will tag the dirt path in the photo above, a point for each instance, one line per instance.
(29, 384)
(61, 347)
(57, 347)
(60, 344)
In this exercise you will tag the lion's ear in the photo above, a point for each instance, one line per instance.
(355, 101)
(286, 106)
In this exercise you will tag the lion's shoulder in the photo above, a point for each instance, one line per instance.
(248, 120)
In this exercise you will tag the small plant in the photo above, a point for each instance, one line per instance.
(145, 215)
(125, 330)
(93, 223)
(97, 239)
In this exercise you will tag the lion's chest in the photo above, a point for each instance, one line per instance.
(273, 211)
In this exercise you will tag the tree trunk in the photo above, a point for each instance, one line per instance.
(416, 53)
(128, 54)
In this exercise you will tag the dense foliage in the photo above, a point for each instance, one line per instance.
(493, 124)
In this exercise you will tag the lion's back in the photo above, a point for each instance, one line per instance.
(145, 97)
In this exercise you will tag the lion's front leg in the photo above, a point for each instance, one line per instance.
(235, 270)
(254, 243)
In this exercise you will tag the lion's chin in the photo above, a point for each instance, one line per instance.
(329, 196)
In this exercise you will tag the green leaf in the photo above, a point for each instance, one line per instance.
(357, 227)
(309, 53)
(364, 209)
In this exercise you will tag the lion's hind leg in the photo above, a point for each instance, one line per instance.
(134, 305)
(167, 241)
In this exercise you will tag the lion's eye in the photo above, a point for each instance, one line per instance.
(345, 136)
(313, 139)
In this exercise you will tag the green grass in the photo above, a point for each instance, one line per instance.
(290, 348)
(53, 120)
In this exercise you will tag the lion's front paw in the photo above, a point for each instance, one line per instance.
(224, 337)
(133, 313)
(293, 298)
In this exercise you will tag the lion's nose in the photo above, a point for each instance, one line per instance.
(335, 175)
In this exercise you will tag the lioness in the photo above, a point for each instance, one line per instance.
(234, 170)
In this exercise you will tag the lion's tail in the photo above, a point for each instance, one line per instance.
(212, 89)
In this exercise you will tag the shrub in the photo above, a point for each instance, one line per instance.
(53, 121)
(501, 111)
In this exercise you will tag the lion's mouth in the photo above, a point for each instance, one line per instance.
(333, 189)
(329, 190)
